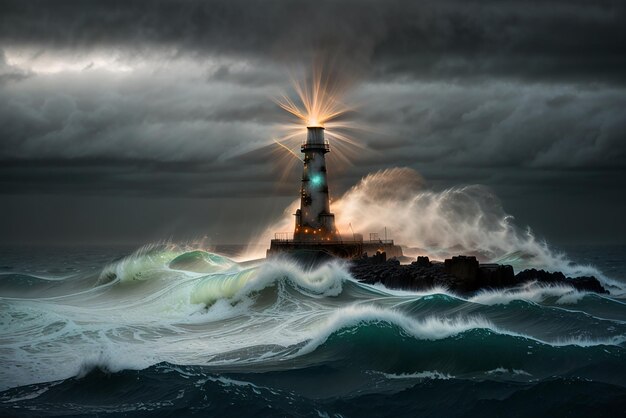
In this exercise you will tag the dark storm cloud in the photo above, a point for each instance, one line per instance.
(438, 39)
(136, 178)
(169, 99)
(261, 76)
(500, 125)
(97, 114)
(8, 73)
(543, 40)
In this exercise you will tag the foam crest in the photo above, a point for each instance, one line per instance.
(113, 359)
(156, 260)
(222, 286)
(325, 281)
(143, 264)
(440, 224)
(585, 342)
(531, 292)
(201, 262)
(430, 328)
(432, 375)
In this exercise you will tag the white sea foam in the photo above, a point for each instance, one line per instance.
(505, 371)
(532, 292)
(467, 219)
(266, 314)
(434, 375)
(430, 328)
(588, 342)
(459, 220)
(325, 281)
(111, 359)
(143, 264)
(152, 261)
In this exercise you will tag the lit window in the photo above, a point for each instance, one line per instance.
(316, 180)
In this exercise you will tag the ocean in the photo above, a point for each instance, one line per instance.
(173, 330)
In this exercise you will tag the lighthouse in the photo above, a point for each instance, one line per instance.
(314, 221)
(315, 231)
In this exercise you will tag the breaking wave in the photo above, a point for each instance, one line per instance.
(460, 220)
(191, 325)
(161, 304)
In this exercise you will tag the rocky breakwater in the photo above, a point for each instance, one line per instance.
(460, 274)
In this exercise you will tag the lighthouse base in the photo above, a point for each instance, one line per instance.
(341, 249)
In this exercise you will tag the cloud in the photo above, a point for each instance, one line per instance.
(572, 40)
(159, 123)
(174, 99)
(553, 126)
(9, 73)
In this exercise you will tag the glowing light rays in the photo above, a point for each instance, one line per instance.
(288, 150)
(318, 101)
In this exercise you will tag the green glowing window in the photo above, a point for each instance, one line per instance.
(316, 180)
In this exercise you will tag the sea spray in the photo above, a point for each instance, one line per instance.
(323, 281)
(532, 292)
(430, 328)
(467, 220)
(277, 318)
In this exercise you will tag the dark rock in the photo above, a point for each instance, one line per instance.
(459, 274)
(422, 261)
(587, 283)
(464, 268)
(540, 276)
(394, 275)
(377, 258)
(495, 275)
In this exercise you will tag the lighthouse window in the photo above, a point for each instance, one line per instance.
(316, 180)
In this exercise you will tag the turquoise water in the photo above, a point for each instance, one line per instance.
(170, 330)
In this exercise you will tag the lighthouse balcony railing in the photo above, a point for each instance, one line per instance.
(315, 145)
(284, 238)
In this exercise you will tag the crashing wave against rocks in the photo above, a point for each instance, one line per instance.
(460, 274)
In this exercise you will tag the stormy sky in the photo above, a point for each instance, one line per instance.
(134, 121)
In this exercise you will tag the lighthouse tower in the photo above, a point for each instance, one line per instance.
(314, 222)
(315, 230)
